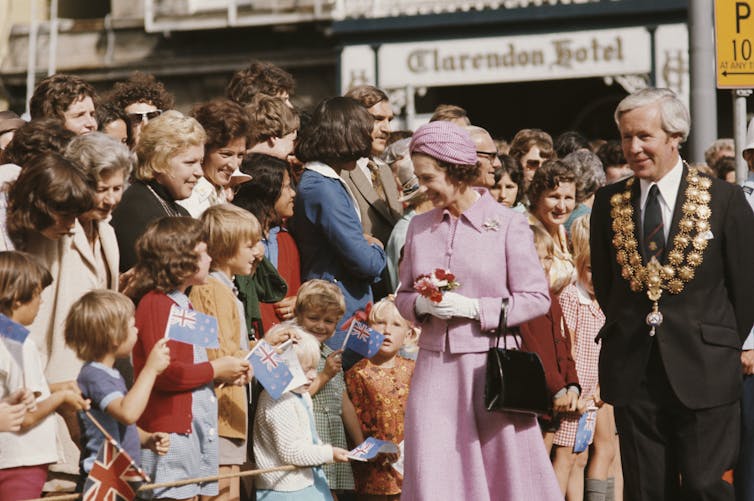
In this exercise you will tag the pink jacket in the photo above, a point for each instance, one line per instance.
(491, 251)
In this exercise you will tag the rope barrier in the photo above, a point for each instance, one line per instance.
(150, 487)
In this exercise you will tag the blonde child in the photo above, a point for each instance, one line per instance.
(284, 433)
(319, 307)
(233, 242)
(584, 319)
(100, 329)
(378, 388)
(172, 257)
(26, 454)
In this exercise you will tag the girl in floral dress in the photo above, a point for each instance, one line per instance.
(378, 388)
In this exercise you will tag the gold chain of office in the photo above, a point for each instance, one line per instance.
(681, 264)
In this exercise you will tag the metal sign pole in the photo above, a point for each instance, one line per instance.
(739, 131)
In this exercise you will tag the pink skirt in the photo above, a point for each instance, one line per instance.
(456, 449)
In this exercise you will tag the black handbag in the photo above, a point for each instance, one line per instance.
(515, 379)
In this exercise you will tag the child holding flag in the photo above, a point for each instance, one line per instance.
(378, 388)
(25, 456)
(171, 257)
(284, 433)
(100, 328)
(584, 319)
(319, 307)
(233, 242)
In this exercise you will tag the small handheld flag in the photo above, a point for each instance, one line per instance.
(585, 430)
(270, 369)
(192, 327)
(363, 339)
(13, 336)
(114, 474)
(371, 447)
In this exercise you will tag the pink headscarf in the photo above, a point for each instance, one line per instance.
(444, 141)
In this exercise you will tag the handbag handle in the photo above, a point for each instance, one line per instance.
(502, 327)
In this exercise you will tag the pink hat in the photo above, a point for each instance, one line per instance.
(444, 141)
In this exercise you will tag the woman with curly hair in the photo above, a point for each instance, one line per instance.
(142, 98)
(169, 165)
(552, 198)
(172, 257)
(227, 126)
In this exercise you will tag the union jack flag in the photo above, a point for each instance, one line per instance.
(183, 318)
(363, 339)
(370, 448)
(192, 327)
(114, 475)
(270, 369)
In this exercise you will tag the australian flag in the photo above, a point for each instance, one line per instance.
(585, 430)
(363, 339)
(13, 336)
(270, 369)
(114, 475)
(192, 327)
(370, 448)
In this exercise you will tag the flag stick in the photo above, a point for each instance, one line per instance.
(348, 334)
(110, 439)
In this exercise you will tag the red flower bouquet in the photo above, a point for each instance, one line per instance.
(432, 285)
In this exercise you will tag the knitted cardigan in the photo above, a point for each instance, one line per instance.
(282, 436)
(216, 299)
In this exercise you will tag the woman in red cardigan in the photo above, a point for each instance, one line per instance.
(548, 337)
(269, 196)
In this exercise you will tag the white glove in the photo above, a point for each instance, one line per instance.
(452, 305)
(460, 306)
(425, 306)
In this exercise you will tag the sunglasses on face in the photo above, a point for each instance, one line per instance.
(140, 116)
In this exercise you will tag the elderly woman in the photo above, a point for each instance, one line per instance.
(489, 248)
(326, 221)
(552, 198)
(170, 154)
(227, 127)
(590, 177)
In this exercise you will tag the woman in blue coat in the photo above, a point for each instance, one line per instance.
(326, 222)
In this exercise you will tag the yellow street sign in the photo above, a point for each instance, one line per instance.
(734, 42)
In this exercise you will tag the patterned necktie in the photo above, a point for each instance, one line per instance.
(374, 170)
(654, 234)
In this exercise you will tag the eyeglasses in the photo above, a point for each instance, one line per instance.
(491, 154)
(140, 116)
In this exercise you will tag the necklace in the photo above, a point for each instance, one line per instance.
(168, 210)
(684, 257)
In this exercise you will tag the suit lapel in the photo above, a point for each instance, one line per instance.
(364, 187)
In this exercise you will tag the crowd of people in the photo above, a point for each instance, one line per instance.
(625, 269)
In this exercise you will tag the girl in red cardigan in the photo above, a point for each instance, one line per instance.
(172, 257)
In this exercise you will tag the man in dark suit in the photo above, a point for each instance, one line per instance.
(672, 270)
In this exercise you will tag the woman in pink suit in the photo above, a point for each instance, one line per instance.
(454, 448)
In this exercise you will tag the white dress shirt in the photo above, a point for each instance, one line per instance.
(668, 186)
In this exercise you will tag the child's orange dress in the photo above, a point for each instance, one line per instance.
(379, 396)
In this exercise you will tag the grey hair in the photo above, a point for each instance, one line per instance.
(674, 115)
(713, 153)
(590, 175)
(100, 155)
